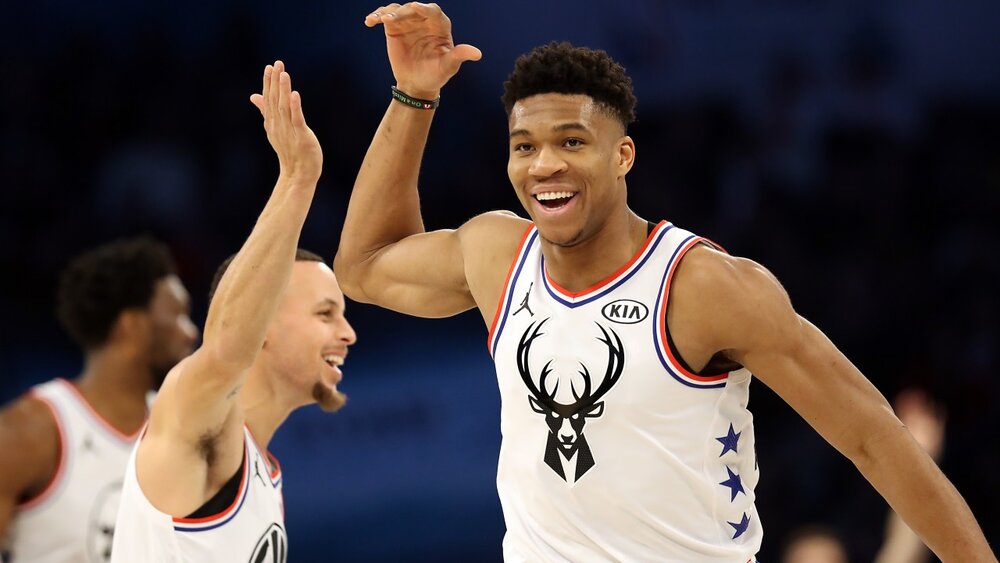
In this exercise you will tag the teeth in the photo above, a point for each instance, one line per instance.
(548, 196)
(333, 360)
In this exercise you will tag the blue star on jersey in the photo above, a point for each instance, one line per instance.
(740, 526)
(734, 483)
(730, 441)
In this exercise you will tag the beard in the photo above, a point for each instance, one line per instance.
(328, 399)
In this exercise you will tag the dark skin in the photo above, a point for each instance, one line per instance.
(565, 147)
(142, 343)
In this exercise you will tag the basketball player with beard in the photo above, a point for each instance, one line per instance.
(624, 372)
(201, 485)
(67, 442)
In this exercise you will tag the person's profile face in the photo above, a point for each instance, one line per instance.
(309, 338)
(173, 333)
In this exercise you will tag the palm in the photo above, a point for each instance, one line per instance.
(421, 51)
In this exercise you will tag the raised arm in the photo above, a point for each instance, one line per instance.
(385, 257)
(197, 401)
(753, 322)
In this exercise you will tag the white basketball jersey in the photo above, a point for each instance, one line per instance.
(251, 529)
(612, 450)
(73, 519)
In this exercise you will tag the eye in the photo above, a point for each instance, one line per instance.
(573, 143)
(326, 314)
(522, 147)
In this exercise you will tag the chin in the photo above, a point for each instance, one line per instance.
(563, 237)
(328, 399)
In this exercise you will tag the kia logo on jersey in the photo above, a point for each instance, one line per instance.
(625, 311)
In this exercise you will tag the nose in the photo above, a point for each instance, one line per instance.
(191, 331)
(546, 163)
(346, 334)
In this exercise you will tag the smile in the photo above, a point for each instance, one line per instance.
(554, 200)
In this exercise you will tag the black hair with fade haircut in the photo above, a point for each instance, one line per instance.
(301, 255)
(101, 283)
(561, 68)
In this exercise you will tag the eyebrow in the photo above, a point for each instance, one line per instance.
(327, 301)
(570, 126)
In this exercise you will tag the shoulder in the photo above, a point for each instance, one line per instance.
(494, 228)
(27, 426)
(734, 301)
(492, 238)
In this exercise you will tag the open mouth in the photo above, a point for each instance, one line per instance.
(554, 200)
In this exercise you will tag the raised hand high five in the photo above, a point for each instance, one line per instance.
(421, 51)
(299, 154)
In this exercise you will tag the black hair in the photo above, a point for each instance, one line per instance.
(301, 255)
(100, 284)
(562, 68)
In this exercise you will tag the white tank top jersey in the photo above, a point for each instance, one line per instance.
(613, 450)
(251, 529)
(73, 519)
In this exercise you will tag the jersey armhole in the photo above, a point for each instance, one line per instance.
(53, 482)
(507, 287)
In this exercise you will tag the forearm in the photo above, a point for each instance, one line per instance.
(254, 283)
(923, 497)
(385, 206)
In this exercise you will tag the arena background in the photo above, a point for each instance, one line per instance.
(850, 146)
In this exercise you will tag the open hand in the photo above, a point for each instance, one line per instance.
(421, 51)
(300, 156)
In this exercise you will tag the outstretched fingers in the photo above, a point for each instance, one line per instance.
(380, 14)
(466, 52)
(259, 100)
(298, 118)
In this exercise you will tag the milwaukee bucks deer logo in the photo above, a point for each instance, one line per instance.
(566, 421)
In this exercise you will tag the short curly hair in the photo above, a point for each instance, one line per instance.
(561, 68)
(101, 283)
(301, 255)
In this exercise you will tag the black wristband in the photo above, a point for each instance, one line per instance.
(417, 103)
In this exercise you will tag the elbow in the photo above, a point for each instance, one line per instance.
(227, 356)
(868, 449)
(349, 276)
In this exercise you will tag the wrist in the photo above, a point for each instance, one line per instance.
(414, 91)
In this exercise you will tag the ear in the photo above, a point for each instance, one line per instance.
(626, 155)
(130, 324)
(537, 406)
(594, 411)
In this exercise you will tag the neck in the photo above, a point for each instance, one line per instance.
(597, 257)
(265, 405)
(115, 383)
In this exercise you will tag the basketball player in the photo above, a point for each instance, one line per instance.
(201, 485)
(624, 382)
(66, 443)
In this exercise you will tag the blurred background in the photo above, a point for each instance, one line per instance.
(850, 146)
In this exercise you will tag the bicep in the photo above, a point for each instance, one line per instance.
(796, 360)
(421, 275)
(195, 400)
